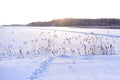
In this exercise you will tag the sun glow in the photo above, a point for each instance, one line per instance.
(25, 11)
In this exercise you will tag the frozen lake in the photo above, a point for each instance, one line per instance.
(98, 67)
(52, 53)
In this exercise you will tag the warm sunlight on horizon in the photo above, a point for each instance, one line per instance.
(25, 11)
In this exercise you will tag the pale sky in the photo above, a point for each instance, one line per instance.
(25, 11)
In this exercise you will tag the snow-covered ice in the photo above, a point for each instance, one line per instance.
(79, 68)
(23, 69)
(45, 53)
(99, 67)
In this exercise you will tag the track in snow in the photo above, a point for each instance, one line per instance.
(83, 68)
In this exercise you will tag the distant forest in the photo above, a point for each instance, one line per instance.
(81, 23)
(90, 23)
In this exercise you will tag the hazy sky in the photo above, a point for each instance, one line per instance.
(25, 11)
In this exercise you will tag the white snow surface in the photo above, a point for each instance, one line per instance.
(100, 67)
(45, 53)
(19, 42)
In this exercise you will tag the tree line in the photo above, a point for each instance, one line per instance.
(70, 22)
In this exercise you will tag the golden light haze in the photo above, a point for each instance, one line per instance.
(25, 11)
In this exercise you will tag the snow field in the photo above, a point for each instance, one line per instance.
(31, 42)
(105, 67)
(23, 69)
(58, 54)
